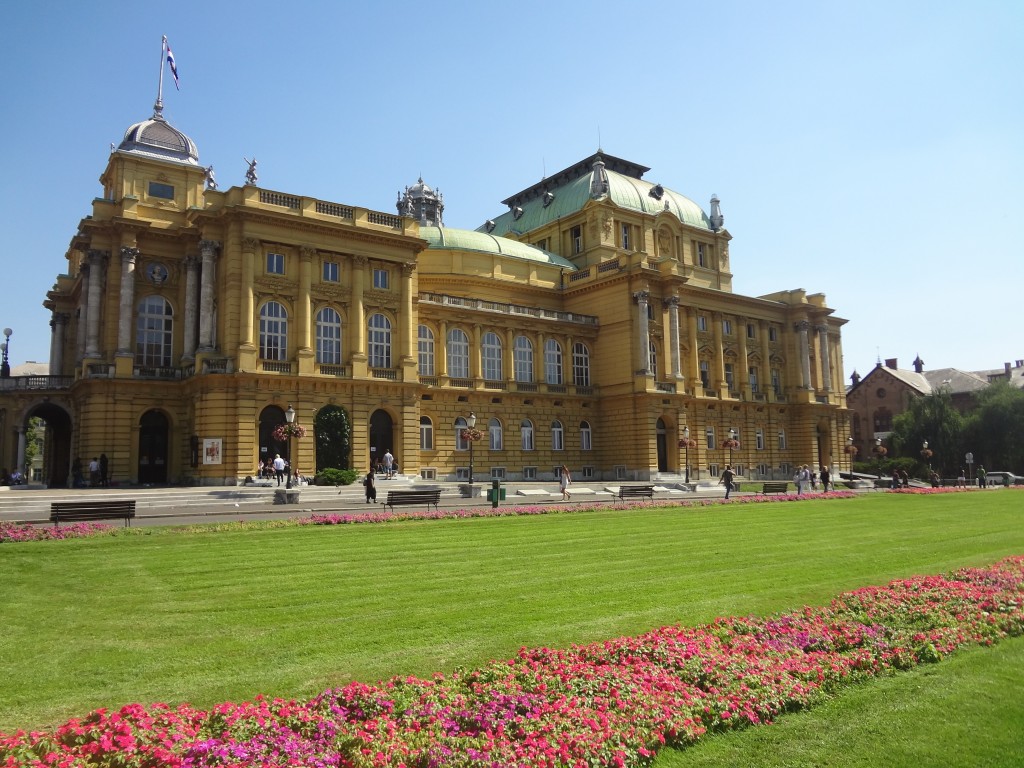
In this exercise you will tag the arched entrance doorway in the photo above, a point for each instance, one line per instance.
(153, 433)
(56, 443)
(270, 419)
(381, 436)
(662, 447)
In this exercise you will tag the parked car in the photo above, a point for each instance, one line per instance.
(1004, 478)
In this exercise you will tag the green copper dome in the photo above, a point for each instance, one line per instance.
(481, 242)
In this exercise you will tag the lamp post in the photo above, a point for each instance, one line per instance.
(880, 451)
(471, 421)
(289, 417)
(686, 444)
(852, 450)
(5, 366)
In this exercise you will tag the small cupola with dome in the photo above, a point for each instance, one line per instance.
(423, 204)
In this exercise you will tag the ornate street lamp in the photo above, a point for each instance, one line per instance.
(926, 454)
(5, 366)
(687, 443)
(879, 451)
(289, 417)
(852, 450)
(471, 422)
(731, 443)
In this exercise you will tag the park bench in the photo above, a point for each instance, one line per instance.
(776, 487)
(403, 498)
(78, 511)
(636, 491)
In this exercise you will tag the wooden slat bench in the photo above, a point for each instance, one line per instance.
(636, 491)
(776, 487)
(404, 498)
(79, 511)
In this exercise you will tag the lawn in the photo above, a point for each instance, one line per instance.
(206, 617)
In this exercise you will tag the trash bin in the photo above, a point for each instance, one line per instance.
(495, 493)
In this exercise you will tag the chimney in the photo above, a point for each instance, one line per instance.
(891, 363)
(1006, 368)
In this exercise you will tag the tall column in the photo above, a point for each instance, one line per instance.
(691, 333)
(208, 249)
(21, 452)
(358, 322)
(766, 357)
(249, 247)
(188, 348)
(407, 328)
(97, 270)
(743, 375)
(826, 360)
(716, 332)
(508, 355)
(805, 353)
(59, 323)
(474, 353)
(673, 336)
(643, 339)
(303, 302)
(83, 313)
(540, 360)
(441, 348)
(129, 256)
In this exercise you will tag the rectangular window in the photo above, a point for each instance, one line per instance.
(163, 191)
(705, 374)
(576, 235)
(773, 334)
(782, 439)
(759, 439)
(380, 279)
(529, 473)
(700, 255)
(762, 470)
(331, 272)
(750, 331)
(752, 378)
(776, 381)
(587, 473)
(713, 470)
(542, 244)
(497, 473)
(625, 237)
(727, 327)
(729, 376)
(709, 435)
(702, 323)
(275, 264)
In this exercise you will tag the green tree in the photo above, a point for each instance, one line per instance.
(332, 434)
(33, 442)
(931, 418)
(995, 428)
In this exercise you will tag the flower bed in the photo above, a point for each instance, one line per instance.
(605, 704)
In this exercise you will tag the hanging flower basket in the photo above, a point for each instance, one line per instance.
(472, 434)
(927, 453)
(880, 450)
(852, 449)
(284, 431)
(730, 444)
(687, 442)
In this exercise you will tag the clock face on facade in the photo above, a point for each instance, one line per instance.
(157, 273)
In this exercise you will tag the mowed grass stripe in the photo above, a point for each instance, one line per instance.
(206, 617)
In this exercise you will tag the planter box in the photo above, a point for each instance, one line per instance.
(286, 496)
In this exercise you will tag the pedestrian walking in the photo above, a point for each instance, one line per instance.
(279, 467)
(726, 479)
(564, 481)
(370, 486)
(826, 478)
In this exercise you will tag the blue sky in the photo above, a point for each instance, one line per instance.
(870, 151)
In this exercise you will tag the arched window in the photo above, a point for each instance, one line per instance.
(328, 337)
(586, 434)
(461, 444)
(494, 430)
(581, 364)
(273, 331)
(526, 430)
(379, 347)
(426, 433)
(426, 350)
(492, 356)
(154, 328)
(557, 436)
(522, 359)
(552, 362)
(458, 354)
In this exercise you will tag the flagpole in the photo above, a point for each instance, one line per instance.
(158, 108)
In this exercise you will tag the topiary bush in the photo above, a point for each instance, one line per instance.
(335, 477)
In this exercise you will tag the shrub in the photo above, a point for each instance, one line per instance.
(335, 477)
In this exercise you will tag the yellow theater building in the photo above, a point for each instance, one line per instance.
(592, 323)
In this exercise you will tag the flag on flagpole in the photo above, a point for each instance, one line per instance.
(174, 68)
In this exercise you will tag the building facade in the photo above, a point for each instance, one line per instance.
(592, 323)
